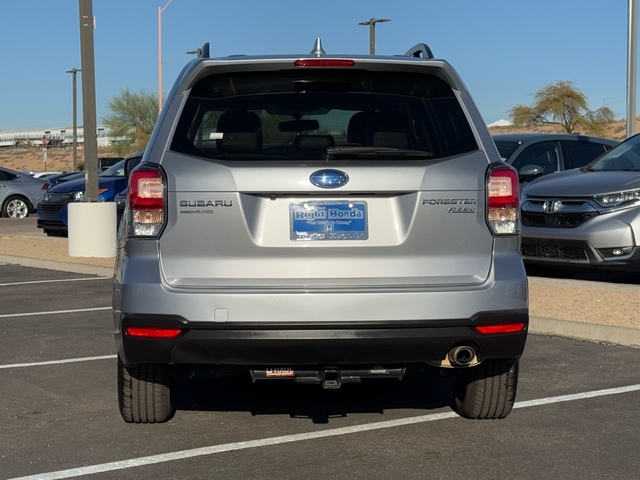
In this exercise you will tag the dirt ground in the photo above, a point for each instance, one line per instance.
(58, 159)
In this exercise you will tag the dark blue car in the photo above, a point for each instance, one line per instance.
(52, 209)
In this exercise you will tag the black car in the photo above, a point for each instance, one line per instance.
(537, 154)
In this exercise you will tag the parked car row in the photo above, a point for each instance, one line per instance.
(48, 195)
(580, 201)
(587, 217)
(53, 208)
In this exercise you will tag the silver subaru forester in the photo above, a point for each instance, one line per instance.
(325, 219)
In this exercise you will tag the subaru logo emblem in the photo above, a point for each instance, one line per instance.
(552, 206)
(329, 178)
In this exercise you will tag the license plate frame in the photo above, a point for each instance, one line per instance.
(322, 220)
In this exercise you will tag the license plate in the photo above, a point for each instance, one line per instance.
(318, 220)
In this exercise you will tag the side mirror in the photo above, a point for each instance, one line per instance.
(130, 164)
(531, 171)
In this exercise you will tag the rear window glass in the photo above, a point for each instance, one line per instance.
(295, 114)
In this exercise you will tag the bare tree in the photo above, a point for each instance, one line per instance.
(562, 104)
(132, 120)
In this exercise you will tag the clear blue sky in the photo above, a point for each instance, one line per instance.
(505, 50)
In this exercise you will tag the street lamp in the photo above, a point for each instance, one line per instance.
(160, 10)
(73, 72)
(372, 32)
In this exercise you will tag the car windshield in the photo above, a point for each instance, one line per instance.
(305, 114)
(116, 170)
(624, 157)
(506, 148)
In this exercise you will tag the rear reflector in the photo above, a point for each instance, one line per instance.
(147, 332)
(502, 328)
(323, 62)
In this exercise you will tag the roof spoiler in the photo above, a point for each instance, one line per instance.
(420, 50)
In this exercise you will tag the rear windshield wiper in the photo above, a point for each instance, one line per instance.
(347, 152)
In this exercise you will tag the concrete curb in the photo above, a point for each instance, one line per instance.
(628, 337)
(84, 268)
(582, 284)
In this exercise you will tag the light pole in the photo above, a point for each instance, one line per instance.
(73, 72)
(372, 32)
(160, 10)
(87, 60)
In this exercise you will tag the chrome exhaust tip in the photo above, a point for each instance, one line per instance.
(461, 356)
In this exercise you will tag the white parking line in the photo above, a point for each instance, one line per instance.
(33, 282)
(53, 312)
(229, 447)
(56, 362)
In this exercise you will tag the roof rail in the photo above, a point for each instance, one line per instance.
(419, 50)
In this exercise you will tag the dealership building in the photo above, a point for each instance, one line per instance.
(54, 137)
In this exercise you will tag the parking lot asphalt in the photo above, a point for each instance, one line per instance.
(599, 307)
(575, 415)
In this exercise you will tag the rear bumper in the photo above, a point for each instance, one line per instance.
(278, 345)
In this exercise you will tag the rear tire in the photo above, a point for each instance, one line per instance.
(487, 391)
(16, 207)
(144, 392)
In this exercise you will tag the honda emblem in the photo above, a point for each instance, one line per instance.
(552, 206)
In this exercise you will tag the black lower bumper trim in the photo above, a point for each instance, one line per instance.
(278, 345)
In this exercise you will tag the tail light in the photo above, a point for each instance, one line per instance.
(503, 202)
(45, 186)
(147, 201)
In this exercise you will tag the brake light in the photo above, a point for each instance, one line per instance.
(503, 200)
(502, 328)
(147, 332)
(146, 201)
(45, 186)
(323, 62)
